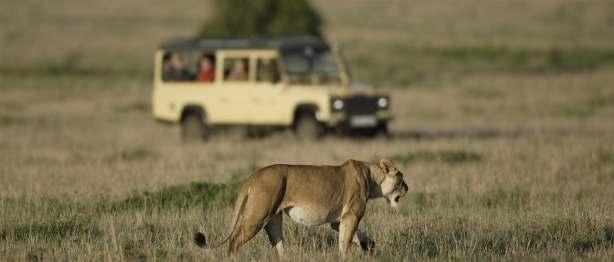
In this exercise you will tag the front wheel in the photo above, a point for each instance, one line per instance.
(193, 128)
(381, 130)
(307, 127)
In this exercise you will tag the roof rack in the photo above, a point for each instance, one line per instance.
(212, 44)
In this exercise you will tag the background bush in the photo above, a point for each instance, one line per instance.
(243, 18)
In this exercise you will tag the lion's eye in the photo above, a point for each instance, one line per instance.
(396, 199)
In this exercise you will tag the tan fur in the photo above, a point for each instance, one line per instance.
(313, 195)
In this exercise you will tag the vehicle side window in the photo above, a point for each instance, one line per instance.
(205, 68)
(236, 69)
(188, 67)
(175, 68)
(267, 70)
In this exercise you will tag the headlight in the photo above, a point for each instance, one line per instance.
(382, 102)
(338, 104)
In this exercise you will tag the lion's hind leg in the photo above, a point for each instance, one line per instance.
(254, 217)
(275, 233)
(244, 233)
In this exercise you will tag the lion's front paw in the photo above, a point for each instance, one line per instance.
(367, 245)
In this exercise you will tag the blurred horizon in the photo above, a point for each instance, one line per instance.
(420, 38)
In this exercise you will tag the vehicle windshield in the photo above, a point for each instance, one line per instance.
(311, 66)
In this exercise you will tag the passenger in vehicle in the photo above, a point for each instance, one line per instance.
(174, 68)
(267, 71)
(206, 71)
(239, 71)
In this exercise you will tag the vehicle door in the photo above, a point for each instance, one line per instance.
(268, 105)
(235, 72)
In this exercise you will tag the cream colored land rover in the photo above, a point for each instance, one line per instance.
(291, 82)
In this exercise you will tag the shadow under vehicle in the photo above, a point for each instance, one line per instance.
(269, 83)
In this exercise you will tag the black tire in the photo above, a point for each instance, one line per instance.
(307, 127)
(193, 128)
(381, 130)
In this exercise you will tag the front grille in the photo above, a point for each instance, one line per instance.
(361, 105)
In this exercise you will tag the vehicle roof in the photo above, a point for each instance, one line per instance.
(286, 43)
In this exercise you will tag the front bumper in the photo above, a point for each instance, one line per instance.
(347, 120)
(359, 112)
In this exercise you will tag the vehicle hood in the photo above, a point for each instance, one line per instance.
(358, 89)
(344, 91)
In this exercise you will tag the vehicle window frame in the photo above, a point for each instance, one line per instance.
(311, 76)
(164, 63)
(191, 58)
(224, 55)
(214, 56)
(277, 68)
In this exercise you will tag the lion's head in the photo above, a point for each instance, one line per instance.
(393, 187)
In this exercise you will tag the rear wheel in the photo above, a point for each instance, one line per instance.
(193, 128)
(307, 127)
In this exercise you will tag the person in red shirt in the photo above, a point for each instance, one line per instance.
(206, 73)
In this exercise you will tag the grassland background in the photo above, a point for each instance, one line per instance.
(503, 128)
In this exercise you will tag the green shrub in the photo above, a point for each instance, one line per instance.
(249, 18)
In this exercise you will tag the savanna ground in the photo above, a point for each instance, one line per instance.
(503, 128)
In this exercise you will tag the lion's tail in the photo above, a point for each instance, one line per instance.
(200, 239)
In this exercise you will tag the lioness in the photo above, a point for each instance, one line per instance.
(311, 195)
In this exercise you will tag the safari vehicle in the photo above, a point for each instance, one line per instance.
(289, 82)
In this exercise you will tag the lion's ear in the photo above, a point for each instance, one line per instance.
(386, 165)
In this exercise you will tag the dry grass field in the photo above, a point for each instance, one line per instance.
(504, 129)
